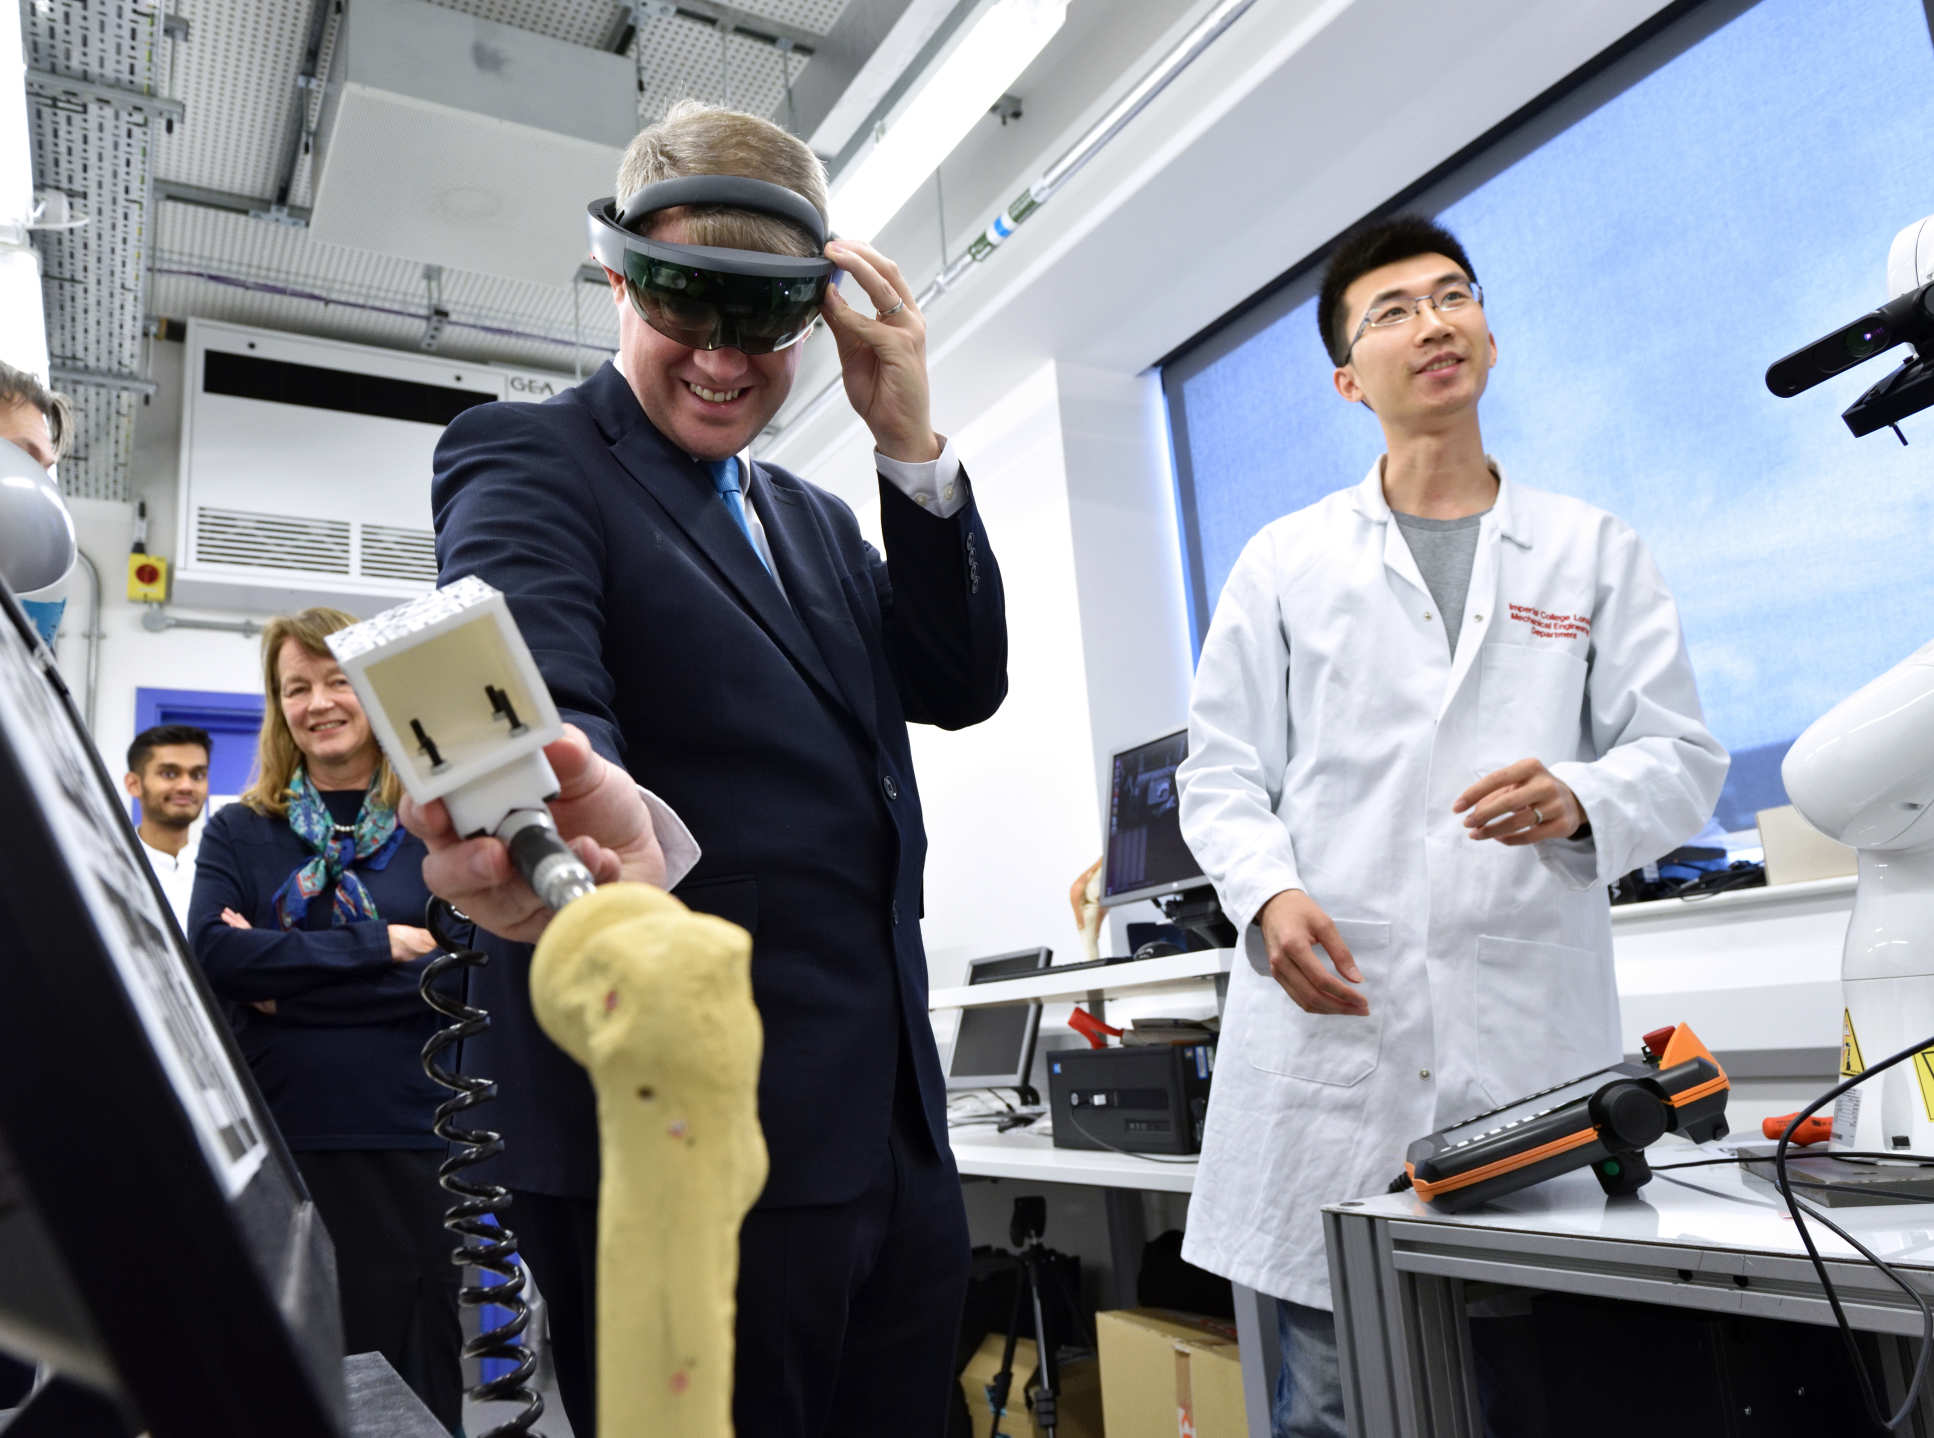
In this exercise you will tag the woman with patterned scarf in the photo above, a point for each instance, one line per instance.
(306, 917)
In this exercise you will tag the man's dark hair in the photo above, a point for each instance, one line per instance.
(149, 740)
(18, 387)
(1370, 247)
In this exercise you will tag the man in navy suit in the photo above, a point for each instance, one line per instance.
(723, 636)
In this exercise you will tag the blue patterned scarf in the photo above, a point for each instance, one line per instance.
(337, 857)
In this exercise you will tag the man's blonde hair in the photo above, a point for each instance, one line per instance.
(276, 755)
(699, 139)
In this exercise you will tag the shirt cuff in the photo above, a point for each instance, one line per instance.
(935, 484)
(675, 841)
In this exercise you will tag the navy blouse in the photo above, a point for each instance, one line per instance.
(338, 1062)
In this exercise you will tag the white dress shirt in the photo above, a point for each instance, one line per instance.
(674, 839)
(177, 874)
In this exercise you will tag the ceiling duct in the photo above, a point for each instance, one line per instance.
(464, 143)
(305, 467)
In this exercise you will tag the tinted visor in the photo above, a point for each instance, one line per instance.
(710, 309)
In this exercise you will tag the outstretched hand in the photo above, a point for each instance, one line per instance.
(598, 809)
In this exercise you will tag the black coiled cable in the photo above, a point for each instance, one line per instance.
(487, 1244)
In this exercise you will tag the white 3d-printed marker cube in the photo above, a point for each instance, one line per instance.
(456, 702)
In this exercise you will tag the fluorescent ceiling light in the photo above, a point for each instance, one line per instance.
(992, 50)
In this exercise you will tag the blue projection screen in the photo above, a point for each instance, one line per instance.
(1647, 246)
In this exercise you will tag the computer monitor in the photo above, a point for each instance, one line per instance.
(994, 1046)
(1146, 857)
(156, 1242)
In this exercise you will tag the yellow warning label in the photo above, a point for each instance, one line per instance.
(1924, 1071)
(1850, 1061)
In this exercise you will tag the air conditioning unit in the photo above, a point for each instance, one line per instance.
(305, 467)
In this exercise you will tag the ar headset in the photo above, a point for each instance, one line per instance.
(707, 298)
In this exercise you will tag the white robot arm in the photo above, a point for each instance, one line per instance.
(1863, 773)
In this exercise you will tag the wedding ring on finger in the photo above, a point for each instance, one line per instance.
(888, 314)
(1537, 815)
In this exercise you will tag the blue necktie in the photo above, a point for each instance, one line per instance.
(725, 479)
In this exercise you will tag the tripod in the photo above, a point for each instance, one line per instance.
(1024, 1231)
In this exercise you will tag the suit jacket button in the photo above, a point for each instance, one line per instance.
(892, 789)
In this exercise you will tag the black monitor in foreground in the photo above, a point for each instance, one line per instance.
(156, 1243)
(1145, 856)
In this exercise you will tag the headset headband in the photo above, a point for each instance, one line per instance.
(736, 191)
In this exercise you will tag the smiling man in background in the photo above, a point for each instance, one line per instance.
(1435, 715)
(168, 775)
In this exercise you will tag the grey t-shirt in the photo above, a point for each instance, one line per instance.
(1445, 550)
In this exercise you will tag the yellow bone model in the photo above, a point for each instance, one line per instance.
(656, 1003)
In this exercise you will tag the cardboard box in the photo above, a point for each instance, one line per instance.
(1078, 1382)
(1169, 1375)
(1796, 851)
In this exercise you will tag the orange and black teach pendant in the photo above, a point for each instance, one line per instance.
(1603, 1120)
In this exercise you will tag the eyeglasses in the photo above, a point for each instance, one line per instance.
(1398, 310)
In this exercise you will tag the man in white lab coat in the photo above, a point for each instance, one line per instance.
(1434, 716)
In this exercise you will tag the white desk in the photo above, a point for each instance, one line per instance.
(1173, 973)
(1705, 1238)
(1019, 1154)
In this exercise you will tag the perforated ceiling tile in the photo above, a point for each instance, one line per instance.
(236, 77)
(680, 58)
(93, 277)
(97, 465)
(230, 267)
(581, 22)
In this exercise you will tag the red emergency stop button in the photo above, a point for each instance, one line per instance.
(147, 573)
(1656, 1041)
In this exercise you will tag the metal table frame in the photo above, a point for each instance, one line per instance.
(1398, 1273)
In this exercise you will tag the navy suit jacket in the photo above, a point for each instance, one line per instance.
(776, 729)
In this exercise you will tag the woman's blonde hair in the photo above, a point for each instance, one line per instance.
(276, 755)
(699, 139)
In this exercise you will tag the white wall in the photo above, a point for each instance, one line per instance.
(1008, 803)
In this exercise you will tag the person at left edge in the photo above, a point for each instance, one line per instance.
(757, 670)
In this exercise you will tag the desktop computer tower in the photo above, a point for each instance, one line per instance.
(1138, 1098)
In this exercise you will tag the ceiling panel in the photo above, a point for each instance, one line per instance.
(235, 75)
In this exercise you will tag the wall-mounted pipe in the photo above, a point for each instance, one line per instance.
(1092, 142)
(94, 634)
(157, 620)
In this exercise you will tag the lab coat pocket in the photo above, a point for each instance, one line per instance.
(1337, 1049)
(1533, 702)
(1536, 1007)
